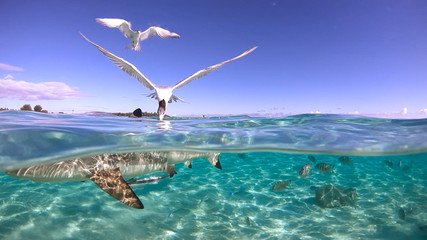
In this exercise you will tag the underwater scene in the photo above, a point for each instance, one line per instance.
(296, 177)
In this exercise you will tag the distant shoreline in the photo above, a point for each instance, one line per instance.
(121, 114)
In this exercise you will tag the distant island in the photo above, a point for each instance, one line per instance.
(39, 108)
(27, 107)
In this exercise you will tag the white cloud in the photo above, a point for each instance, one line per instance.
(404, 111)
(354, 113)
(423, 111)
(8, 67)
(22, 90)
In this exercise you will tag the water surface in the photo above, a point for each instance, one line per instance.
(236, 202)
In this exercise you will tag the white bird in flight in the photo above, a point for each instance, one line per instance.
(125, 27)
(162, 94)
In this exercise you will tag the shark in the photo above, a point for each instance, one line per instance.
(108, 171)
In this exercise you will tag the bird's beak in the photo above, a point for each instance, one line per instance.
(162, 109)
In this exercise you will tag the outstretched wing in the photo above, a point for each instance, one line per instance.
(125, 66)
(157, 31)
(123, 25)
(208, 70)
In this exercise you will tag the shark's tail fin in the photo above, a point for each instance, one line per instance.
(213, 158)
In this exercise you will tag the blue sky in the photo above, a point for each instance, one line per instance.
(366, 57)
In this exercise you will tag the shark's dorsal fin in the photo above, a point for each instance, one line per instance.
(213, 158)
(112, 182)
(218, 165)
(170, 168)
(188, 164)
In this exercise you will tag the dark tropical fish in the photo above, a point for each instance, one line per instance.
(423, 228)
(311, 158)
(402, 213)
(389, 163)
(248, 221)
(305, 170)
(406, 168)
(107, 171)
(324, 167)
(345, 160)
(330, 196)
(281, 185)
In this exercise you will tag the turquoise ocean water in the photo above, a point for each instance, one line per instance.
(387, 171)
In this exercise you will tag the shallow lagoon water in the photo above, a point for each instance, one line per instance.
(236, 202)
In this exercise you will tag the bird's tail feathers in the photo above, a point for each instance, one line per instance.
(132, 47)
(176, 99)
(152, 95)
